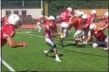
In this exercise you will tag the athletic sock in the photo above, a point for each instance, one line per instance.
(57, 56)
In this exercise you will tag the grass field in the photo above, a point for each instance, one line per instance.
(32, 58)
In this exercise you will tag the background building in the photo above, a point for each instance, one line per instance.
(31, 8)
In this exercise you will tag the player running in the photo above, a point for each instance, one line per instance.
(64, 18)
(76, 23)
(49, 34)
(39, 22)
(8, 32)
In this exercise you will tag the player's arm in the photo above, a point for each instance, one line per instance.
(89, 36)
(70, 15)
(14, 44)
(70, 23)
(85, 26)
(102, 28)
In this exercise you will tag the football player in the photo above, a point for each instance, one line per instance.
(8, 32)
(49, 34)
(65, 15)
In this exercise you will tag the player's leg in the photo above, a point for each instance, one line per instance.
(85, 36)
(35, 27)
(99, 44)
(78, 36)
(107, 48)
(39, 26)
(64, 31)
(53, 47)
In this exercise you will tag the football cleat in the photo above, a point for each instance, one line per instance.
(58, 60)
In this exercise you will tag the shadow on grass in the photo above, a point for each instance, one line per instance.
(60, 55)
(83, 53)
(78, 46)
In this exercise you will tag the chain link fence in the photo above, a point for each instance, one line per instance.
(56, 5)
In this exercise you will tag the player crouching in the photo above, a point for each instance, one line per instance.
(8, 32)
(99, 36)
(49, 34)
(76, 23)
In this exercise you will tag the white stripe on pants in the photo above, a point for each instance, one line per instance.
(78, 33)
(49, 41)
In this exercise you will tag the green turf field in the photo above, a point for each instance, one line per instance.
(32, 58)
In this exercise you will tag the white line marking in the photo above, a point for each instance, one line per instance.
(5, 64)
(31, 34)
(8, 66)
(35, 35)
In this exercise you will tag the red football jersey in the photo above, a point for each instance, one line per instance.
(47, 30)
(7, 30)
(76, 22)
(64, 16)
(84, 23)
(90, 19)
(99, 34)
(53, 26)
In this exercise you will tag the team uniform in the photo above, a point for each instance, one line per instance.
(5, 20)
(50, 30)
(64, 18)
(85, 26)
(7, 30)
(76, 23)
(39, 22)
(90, 19)
(53, 26)
(106, 20)
(100, 38)
(107, 43)
(48, 35)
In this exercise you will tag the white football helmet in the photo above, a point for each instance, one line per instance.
(76, 11)
(82, 13)
(69, 9)
(84, 16)
(106, 14)
(13, 19)
(51, 18)
(93, 12)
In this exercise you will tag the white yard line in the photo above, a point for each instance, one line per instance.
(5, 64)
(30, 34)
(35, 35)
(8, 66)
